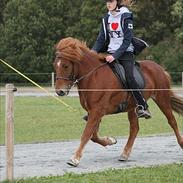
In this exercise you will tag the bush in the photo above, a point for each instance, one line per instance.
(169, 54)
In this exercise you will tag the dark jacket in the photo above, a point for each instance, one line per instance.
(101, 44)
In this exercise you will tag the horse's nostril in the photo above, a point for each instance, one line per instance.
(60, 93)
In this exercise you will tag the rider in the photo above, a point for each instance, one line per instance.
(115, 37)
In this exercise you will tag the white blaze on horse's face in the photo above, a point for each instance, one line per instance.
(59, 63)
(64, 73)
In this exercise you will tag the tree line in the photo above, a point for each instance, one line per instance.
(29, 29)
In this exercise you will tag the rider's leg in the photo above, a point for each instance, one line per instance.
(128, 64)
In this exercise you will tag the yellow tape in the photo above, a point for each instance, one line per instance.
(59, 100)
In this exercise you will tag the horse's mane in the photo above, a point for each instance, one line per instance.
(74, 50)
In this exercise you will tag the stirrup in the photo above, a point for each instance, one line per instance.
(142, 113)
(139, 107)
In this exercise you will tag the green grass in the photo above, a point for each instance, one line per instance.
(161, 174)
(43, 119)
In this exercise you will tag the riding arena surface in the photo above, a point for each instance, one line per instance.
(44, 159)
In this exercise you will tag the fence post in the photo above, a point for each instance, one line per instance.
(9, 139)
(182, 79)
(52, 79)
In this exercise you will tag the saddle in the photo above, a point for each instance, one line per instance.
(119, 71)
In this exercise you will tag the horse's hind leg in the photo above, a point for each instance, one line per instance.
(163, 100)
(134, 128)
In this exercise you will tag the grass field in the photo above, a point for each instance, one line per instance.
(161, 174)
(42, 119)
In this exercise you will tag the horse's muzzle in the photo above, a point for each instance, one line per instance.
(60, 93)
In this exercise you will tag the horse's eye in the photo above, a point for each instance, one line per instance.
(65, 66)
(58, 57)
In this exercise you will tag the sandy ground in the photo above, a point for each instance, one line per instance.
(50, 158)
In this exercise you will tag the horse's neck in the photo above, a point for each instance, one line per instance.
(86, 70)
(87, 66)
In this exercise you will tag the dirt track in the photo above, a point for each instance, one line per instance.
(50, 158)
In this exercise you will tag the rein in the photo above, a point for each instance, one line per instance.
(75, 80)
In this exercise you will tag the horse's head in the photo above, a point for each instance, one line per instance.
(70, 54)
(65, 76)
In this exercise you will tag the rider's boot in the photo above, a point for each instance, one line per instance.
(142, 112)
(142, 107)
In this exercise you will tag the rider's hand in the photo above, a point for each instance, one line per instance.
(110, 58)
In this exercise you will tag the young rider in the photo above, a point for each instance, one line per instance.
(115, 37)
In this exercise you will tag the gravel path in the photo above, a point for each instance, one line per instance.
(50, 158)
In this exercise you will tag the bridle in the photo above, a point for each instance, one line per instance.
(76, 80)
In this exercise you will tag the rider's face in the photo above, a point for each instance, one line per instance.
(111, 5)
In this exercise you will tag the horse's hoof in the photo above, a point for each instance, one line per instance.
(73, 162)
(123, 158)
(181, 143)
(112, 140)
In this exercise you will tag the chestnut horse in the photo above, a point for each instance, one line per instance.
(100, 92)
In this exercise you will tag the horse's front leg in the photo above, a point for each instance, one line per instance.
(91, 126)
(134, 128)
(104, 141)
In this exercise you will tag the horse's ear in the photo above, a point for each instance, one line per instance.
(55, 46)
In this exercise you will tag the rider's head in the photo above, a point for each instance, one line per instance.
(112, 5)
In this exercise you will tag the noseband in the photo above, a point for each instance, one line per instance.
(70, 78)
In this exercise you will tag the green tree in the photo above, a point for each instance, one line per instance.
(1, 11)
(32, 28)
(153, 19)
(168, 53)
(87, 26)
(177, 19)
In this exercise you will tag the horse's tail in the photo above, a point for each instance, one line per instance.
(177, 104)
(175, 101)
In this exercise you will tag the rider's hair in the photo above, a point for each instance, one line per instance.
(119, 2)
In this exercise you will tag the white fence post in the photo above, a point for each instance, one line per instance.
(52, 79)
(9, 139)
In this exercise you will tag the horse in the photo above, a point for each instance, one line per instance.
(100, 93)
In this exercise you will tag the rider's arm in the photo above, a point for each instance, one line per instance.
(103, 38)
